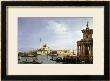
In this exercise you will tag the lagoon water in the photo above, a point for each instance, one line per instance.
(43, 59)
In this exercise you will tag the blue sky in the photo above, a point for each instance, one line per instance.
(57, 33)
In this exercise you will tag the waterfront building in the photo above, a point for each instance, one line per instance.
(44, 50)
(64, 52)
(85, 46)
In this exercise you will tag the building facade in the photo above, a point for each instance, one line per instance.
(44, 50)
(85, 46)
(65, 52)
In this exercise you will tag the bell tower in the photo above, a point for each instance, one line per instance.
(87, 33)
(85, 46)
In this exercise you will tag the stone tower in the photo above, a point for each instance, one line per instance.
(85, 46)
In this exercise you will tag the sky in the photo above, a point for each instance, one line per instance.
(57, 32)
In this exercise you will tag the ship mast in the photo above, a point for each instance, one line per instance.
(40, 42)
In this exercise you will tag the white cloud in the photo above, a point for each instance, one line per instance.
(65, 37)
(58, 28)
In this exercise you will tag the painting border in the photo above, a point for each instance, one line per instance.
(4, 6)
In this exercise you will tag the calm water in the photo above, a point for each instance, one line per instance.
(44, 59)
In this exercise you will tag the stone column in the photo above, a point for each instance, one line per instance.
(81, 52)
(90, 50)
(92, 53)
(78, 50)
